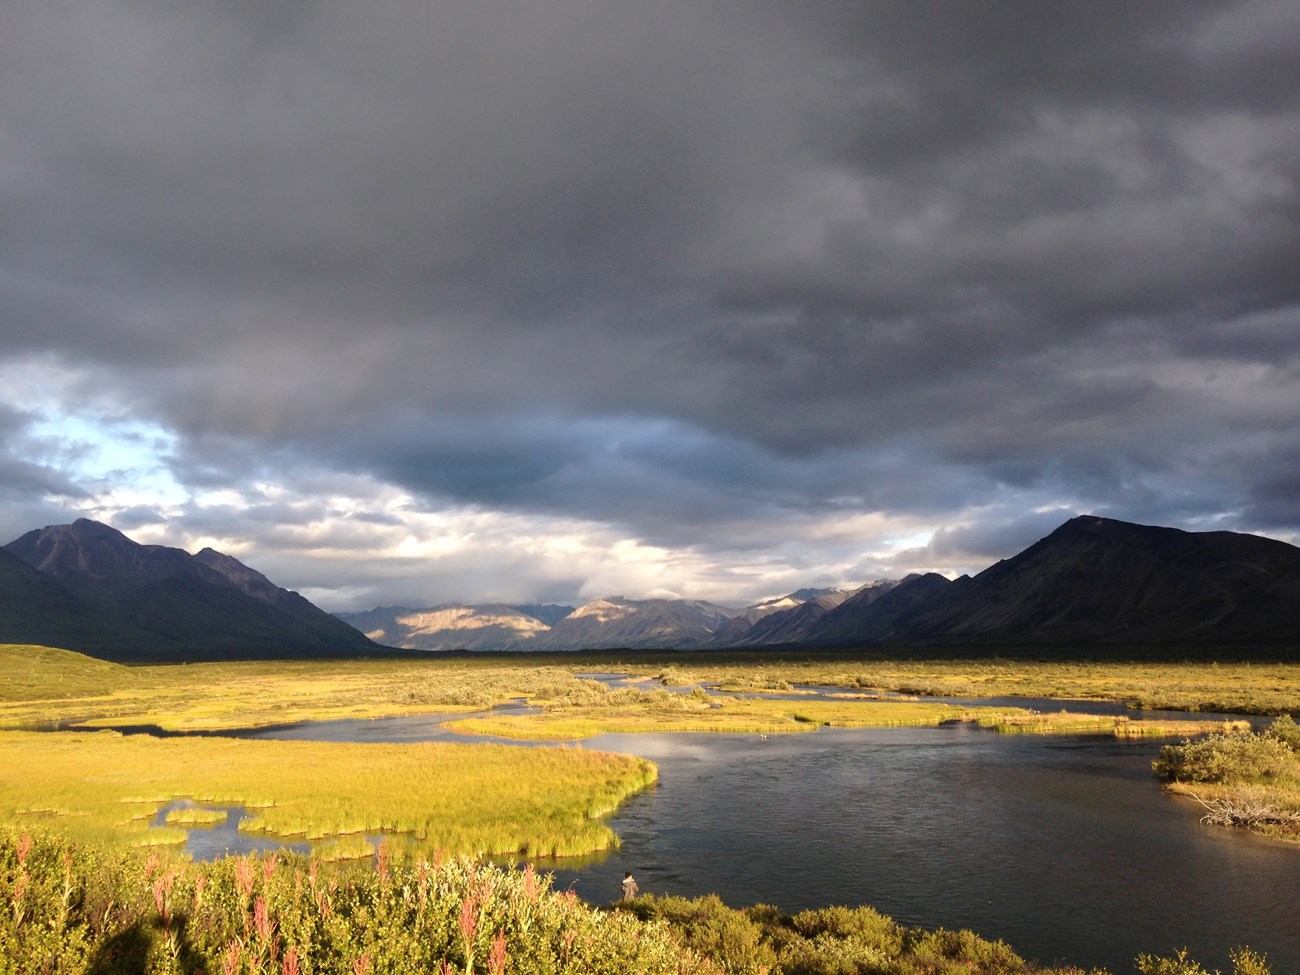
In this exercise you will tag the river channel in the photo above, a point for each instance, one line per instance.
(1063, 846)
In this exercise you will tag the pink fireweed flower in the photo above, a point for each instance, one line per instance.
(162, 888)
(230, 963)
(200, 885)
(497, 957)
(469, 917)
(262, 920)
(244, 877)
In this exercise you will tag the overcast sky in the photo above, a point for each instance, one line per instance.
(409, 301)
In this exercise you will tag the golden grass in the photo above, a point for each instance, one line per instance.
(195, 816)
(40, 686)
(1245, 688)
(629, 712)
(470, 799)
(1120, 726)
(478, 798)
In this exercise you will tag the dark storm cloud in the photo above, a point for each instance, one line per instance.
(676, 265)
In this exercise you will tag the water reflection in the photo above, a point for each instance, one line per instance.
(223, 837)
(1065, 847)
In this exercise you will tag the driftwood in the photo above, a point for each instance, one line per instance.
(1248, 811)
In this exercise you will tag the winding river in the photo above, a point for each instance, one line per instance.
(1064, 847)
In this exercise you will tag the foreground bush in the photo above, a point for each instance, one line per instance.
(67, 910)
(71, 910)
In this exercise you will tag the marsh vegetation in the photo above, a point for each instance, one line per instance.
(418, 802)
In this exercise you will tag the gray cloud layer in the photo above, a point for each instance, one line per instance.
(684, 268)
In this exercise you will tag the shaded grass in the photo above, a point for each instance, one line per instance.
(470, 799)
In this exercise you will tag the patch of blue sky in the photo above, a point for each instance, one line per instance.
(122, 457)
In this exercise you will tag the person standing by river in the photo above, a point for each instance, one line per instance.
(630, 887)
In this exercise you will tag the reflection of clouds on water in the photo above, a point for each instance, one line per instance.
(658, 745)
(223, 837)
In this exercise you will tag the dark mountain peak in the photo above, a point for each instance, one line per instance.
(107, 595)
(92, 557)
(1096, 580)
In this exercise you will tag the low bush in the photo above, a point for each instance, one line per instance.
(1285, 730)
(1226, 758)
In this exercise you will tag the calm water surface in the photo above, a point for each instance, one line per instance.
(1062, 846)
(1065, 848)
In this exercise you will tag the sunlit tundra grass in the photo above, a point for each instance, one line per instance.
(465, 799)
(40, 685)
(631, 710)
(626, 711)
(488, 800)
(1241, 687)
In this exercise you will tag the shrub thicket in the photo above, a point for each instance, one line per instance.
(67, 910)
(1243, 757)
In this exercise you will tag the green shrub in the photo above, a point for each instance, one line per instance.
(1175, 964)
(1285, 730)
(727, 937)
(1225, 758)
(72, 910)
(69, 910)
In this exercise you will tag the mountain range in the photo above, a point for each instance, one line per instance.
(1092, 582)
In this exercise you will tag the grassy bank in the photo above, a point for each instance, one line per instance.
(40, 685)
(462, 799)
(84, 911)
